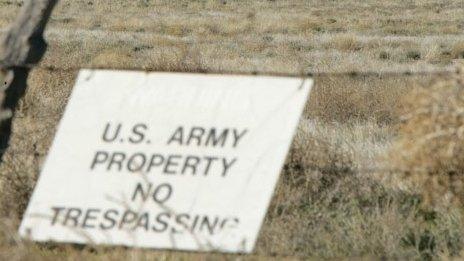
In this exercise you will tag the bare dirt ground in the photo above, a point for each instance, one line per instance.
(338, 196)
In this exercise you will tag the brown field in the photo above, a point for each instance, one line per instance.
(355, 185)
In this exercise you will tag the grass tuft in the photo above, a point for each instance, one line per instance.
(431, 141)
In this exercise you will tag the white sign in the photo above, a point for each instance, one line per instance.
(166, 160)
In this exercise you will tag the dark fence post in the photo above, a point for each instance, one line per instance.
(21, 48)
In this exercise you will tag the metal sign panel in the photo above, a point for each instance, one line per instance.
(166, 160)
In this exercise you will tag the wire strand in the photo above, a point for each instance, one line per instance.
(353, 73)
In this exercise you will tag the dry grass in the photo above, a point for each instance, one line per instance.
(251, 36)
(346, 42)
(431, 141)
(327, 204)
(354, 99)
(457, 51)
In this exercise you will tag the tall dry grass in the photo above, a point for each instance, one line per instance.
(325, 206)
(357, 98)
(430, 147)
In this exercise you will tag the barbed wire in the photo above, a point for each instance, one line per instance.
(234, 37)
(309, 73)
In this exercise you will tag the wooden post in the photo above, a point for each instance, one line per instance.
(21, 48)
